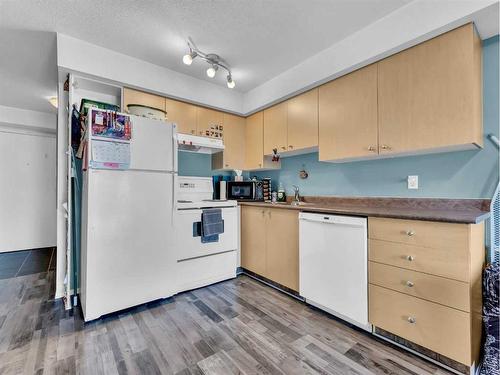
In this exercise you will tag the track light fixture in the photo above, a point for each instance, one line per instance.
(214, 60)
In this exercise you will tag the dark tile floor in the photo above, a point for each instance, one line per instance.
(27, 262)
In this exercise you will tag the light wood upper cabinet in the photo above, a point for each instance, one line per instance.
(270, 244)
(276, 128)
(183, 114)
(430, 95)
(254, 135)
(303, 121)
(131, 96)
(348, 116)
(233, 156)
(253, 239)
(282, 247)
(209, 121)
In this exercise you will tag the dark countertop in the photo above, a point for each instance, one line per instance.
(464, 211)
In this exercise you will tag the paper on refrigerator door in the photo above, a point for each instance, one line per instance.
(110, 155)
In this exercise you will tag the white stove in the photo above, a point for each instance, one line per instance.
(202, 263)
(197, 193)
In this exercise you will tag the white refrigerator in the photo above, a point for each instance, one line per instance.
(127, 222)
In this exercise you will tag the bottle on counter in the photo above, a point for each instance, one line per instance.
(281, 193)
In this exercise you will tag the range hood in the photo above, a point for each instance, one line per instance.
(202, 145)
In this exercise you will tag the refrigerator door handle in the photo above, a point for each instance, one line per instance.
(174, 147)
(174, 196)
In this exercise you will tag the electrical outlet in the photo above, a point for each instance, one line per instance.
(412, 182)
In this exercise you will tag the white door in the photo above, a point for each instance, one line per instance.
(333, 265)
(129, 243)
(153, 145)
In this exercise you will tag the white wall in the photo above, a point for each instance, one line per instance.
(75, 55)
(27, 190)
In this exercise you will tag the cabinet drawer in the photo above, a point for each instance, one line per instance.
(445, 262)
(437, 289)
(420, 233)
(436, 327)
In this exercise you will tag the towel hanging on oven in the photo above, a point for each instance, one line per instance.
(211, 225)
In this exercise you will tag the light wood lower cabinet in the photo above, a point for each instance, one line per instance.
(425, 284)
(270, 244)
(254, 239)
(436, 327)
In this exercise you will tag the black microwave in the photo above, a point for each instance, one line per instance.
(245, 190)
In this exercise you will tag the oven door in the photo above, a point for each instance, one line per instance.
(188, 239)
(241, 190)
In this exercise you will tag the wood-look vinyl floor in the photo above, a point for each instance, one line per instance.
(235, 327)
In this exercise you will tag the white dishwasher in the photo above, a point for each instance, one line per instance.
(333, 265)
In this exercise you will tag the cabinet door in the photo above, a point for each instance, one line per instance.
(253, 239)
(183, 114)
(254, 135)
(283, 247)
(303, 121)
(234, 142)
(430, 96)
(348, 116)
(209, 122)
(275, 128)
(131, 96)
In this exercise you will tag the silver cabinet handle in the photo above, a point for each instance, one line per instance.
(227, 165)
(290, 146)
(409, 284)
(283, 147)
(260, 165)
(410, 258)
(410, 233)
(412, 320)
(385, 147)
(372, 148)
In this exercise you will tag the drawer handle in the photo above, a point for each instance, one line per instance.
(410, 258)
(412, 320)
(410, 233)
(409, 283)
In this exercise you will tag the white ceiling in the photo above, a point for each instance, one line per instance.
(259, 39)
(28, 69)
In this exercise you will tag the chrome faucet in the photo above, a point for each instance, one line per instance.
(296, 199)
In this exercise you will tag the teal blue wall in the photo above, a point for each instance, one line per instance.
(193, 164)
(465, 174)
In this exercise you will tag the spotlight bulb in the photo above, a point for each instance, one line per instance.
(187, 59)
(230, 82)
(211, 71)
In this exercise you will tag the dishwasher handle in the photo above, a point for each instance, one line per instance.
(333, 219)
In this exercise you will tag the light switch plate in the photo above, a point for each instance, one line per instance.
(412, 182)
